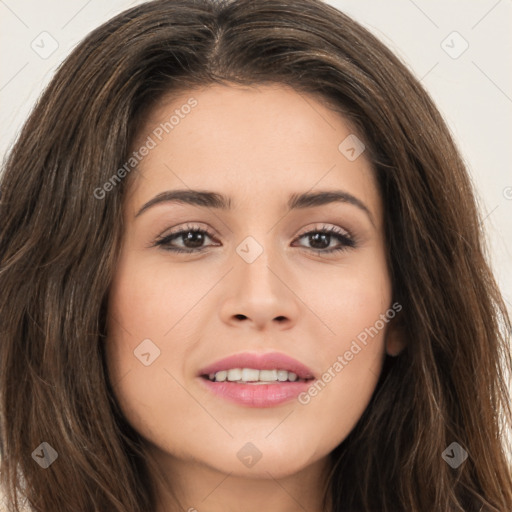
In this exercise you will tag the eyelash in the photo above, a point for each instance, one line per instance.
(347, 241)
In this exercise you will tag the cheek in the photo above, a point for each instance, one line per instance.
(149, 297)
(353, 310)
(147, 339)
(347, 298)
(157, 302)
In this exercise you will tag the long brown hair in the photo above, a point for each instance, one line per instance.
(59, 242)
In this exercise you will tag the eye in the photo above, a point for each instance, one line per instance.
(193, 238)
(322, 238)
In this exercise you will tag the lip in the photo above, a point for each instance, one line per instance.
(257, 395)
(268, 361)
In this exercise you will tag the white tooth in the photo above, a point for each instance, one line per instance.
(234, 374)
(221, 376)
(268, 375)
(282, 375)
(250, 374)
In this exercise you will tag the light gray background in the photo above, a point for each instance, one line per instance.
(472, 90)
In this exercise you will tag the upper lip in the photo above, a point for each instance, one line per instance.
(267, 361)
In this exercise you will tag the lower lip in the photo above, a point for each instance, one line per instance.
(257, 395)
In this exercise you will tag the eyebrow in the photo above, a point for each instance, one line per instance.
(221, 202)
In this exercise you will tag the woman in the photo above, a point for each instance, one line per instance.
(241, 266)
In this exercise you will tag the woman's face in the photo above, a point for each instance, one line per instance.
(255, 283)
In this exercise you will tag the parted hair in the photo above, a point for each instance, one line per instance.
(59, 244)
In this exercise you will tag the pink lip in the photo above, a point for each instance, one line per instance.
(268, 361)
(258, 395)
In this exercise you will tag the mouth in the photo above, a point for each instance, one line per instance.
(257, 380)
(254, 376)
(256, 367)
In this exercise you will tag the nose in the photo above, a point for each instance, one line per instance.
(260, 294)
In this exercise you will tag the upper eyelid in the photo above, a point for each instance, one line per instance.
(337, 230)
(327, 227)
(317, 227)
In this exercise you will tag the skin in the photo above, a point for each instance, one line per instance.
(257, 145)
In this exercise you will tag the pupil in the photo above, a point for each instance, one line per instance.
(189, 237)
(315, 238)
(196, 239)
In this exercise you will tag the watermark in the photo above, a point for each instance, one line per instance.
(454, 45)
(45, 455)
(352, 147)
(150, 143)
(44, 45)
(249, 249)
(249, 455)
(454, 455)
(507, 193)
(146, 352)
(343, 360)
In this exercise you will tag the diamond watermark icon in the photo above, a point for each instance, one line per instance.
(249, 249)
(45, 455)
(455, 455)
(454, 45)
(146, 352)
(249, 455)
(351, 147)
(44, 45)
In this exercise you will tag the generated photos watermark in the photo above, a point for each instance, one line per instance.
(343, 360)
(150, 143)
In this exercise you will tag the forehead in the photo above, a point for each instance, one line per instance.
(254, 144)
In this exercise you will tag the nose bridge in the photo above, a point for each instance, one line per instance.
(259, 292)
(258, 263)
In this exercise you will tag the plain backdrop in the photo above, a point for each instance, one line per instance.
(459, 49)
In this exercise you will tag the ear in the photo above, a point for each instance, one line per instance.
(395, 337)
